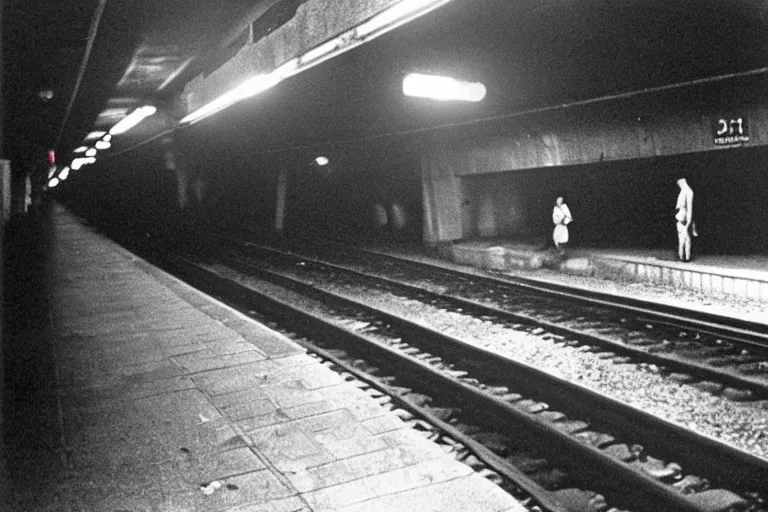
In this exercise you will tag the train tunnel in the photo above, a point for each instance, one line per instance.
(612, 142)
(377, 192)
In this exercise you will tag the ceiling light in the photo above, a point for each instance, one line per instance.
(249, 88)
(322, 50)
(287, 68)
(77, 163)
(91, 152)
(81, 149)
(386, 20)
(132, 119)
(442, 88)
(53, 182)
(94, 135)
(396, 15)
(107, 137)
(64, 173)
(113, 112)
(100, 144)
(321, 160)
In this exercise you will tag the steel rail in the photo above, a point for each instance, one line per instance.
(715, 456)
(289, 312)
(680, 364)
(546, 499)
(742, 330)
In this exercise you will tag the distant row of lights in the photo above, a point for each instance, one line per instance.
(102, 142)
(435, 87)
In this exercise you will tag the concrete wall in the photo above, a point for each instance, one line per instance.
(467, 190)
(586, 140)
(309, 27)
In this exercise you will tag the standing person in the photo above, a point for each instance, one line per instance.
(684, 218)
(561, 217)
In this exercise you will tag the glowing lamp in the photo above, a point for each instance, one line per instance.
(250, 87)
(132, 119)
(53, 182)
(321, 161)
(321, 50)
(94, 135)
(442, 88)
(77, 163)
(91, 152)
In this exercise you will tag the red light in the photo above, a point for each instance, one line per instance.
(51, 156)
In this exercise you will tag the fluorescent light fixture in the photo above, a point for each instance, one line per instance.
(286, 69)
(91, 152)
(249, 88)
(107, 137)
(321, 160)
(94, 135)
(442, 88)
(113, 112)
(400, 13)
(53, 182)
(321, 50)
(64, 173)
(100, 144)
(396, 15)
(132, 119)
(81, 149)
(77, 163)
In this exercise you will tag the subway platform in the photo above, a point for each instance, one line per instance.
(730, 285)
(128, 390)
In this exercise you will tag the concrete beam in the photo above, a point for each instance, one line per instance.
(315, 22)
(594, 137)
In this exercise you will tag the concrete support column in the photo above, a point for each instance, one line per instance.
(282, 195)
(182, 187)
(442, 201)
(172, 164)
(5, 192)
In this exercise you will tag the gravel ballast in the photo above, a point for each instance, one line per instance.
(741, 424)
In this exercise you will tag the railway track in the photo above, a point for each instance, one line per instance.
(553, 440)
(722, 355)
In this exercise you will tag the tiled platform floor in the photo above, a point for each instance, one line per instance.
(147, 391)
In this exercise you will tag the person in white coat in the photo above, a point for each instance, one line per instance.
(561, 217)
(684, 220)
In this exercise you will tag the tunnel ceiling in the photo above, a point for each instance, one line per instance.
(131, 49)
(529, 53)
